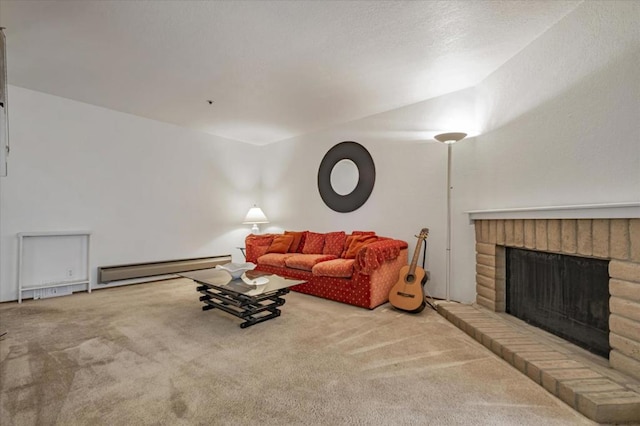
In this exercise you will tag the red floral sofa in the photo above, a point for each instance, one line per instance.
(358, 269)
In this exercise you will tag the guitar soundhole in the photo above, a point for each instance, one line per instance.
(411, 278)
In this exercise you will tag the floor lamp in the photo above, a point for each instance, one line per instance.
(449, 139)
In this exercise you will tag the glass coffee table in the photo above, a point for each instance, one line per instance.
(254, 303)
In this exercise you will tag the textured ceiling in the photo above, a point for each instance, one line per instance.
(274, 69)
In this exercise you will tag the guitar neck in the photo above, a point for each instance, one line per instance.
(416, 252)
(414, 261)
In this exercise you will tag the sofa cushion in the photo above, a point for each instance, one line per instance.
(314, 243)
(306, 262)
(334, 243)
(280, 244)
(339, 268)
(298, 240)
(363, 233)
(274, 259)
(356, 243)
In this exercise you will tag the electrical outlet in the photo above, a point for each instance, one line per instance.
(70, 272)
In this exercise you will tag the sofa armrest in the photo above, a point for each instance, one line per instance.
(372, 256)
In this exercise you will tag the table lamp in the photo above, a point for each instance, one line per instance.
(254, 217)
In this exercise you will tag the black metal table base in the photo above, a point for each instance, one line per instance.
(252, 309)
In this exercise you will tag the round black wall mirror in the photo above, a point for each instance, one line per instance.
(346, 177)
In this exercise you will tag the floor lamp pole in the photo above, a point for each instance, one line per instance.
(449, 139)
(448, 276)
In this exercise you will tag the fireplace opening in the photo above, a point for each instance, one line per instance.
(565, 295)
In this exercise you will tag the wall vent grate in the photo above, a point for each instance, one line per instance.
(45, 293)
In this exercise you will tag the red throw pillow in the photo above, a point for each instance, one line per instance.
(280, 244)
(296, 246)
(334, 243)
(357, 243)
(314, 243)
(347, 243)
(257, 245)
(303, 240)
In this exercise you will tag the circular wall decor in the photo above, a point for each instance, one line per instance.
(359, 155)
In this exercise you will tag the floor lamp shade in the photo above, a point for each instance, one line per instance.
(450, 138)
(254, 216)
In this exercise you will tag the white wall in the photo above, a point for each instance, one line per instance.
(146, 190)
(562, 118)
(410, 188)
(559, 123)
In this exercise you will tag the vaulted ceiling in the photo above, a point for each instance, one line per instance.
(273, 69)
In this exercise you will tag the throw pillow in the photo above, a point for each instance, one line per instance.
(302, 241)
(257, 245)
(280, 244)
(347, 243)
(363, 233)
(314, 243)
(334, 243)
(297, 244)
(357, 243)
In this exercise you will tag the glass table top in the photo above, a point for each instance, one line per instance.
(221, 279)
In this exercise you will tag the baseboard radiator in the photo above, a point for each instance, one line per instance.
(107, 274)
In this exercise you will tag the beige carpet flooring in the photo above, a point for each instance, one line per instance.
(147, 354)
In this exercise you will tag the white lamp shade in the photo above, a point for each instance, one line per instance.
(255, 215)
(450, 138)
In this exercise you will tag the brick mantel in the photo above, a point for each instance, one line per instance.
(613, 239)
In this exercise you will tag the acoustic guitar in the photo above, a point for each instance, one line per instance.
(408, 294)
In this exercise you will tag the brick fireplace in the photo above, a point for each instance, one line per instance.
(615, 239)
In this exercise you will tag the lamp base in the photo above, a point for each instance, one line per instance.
(255, 229)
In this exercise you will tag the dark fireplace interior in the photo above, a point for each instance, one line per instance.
(565, 295)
